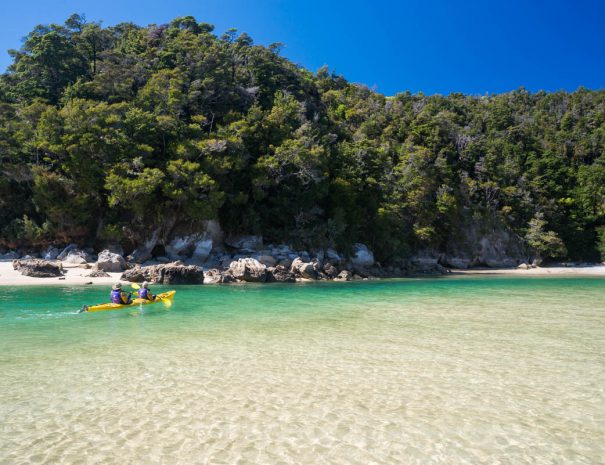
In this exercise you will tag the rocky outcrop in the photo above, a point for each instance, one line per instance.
(362, 256)
(307, 270)
(51, 253)
(110, 262)
(9, 255)
(96, 273)
(169, 273)
(280, 274)
(65, 251)
(215, 276)
(330, 270)
(38, 268)
(344, 275)
(248, 244)
(249, 270)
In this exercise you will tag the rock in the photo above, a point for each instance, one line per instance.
(245, 243)
(202, 249)
(249, 270)
(456, 262)
(524, 266)
(162, 259)
(330, 270)
(362, 256)
(344, 275)
(142, 253)
(96, 273)
(38, 268)
(280, 274)
(170, 273)
(9, 256)
(86, 266)
(307, 270)
(215, 276)
(51, 253)
(109, 261)
(65, 251)
(115, 248)
(332, 256)
(265, 259)
(77, 257)
(27, 257)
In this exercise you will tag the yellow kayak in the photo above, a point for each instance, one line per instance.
(164, 297)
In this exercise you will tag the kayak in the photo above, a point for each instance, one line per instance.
(163, 297)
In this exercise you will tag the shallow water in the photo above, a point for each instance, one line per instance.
(434, 371)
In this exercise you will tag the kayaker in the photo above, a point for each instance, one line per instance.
(118, 296)
(145, 293)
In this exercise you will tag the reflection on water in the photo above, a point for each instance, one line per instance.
(443, 371)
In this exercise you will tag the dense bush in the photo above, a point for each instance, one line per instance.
(111, 132)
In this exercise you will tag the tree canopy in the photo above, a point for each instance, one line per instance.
(107, 133)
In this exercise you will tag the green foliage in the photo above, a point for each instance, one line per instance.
(107, 133)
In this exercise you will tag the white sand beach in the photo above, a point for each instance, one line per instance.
(79, 276)
(74, 275)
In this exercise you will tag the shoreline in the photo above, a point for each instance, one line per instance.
(76, 276)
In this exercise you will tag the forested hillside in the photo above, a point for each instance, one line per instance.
(107, 133)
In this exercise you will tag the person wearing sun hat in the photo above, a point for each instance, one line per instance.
(118, 296)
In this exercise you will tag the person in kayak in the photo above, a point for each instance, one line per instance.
(145, 293)
(118, 296)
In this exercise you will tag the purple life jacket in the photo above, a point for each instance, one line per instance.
(143, 293)
(116, 297)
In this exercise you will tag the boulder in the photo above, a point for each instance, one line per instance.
(362, 256)
(265, 258)
(280, 274)
(65, 251)
(202, 250)
(77, 257)
(51, 253)
(330, 270)
(245, 243)
(307, 270)
(38, 268)
(215, 276)
(524, 266)
(9, 256)
(111, 262)
(96, 273)
(249, 270)
(170, 273)
(344, 275)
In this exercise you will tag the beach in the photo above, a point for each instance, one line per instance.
(77, 276)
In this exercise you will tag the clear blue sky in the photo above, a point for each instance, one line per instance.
(433, 46)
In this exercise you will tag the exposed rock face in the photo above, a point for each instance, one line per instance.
(280, 274)
(112, 262)
(38, 268)
(266, 259)
(215, 276)
(456, 262)
(249, 270)
(96, 273)
(332, 256)
(51, 253)
(170, 273)
(245, 243)
(144, 252)
(65, 251)
(362, 256)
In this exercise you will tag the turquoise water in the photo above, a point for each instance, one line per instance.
(449, 370)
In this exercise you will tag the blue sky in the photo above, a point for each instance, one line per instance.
(433, 46)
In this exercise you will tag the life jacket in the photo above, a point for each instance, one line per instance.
(116, 296)
(144, 293)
